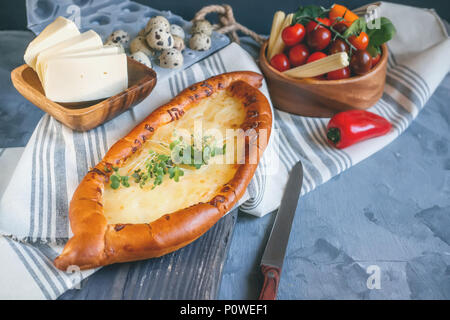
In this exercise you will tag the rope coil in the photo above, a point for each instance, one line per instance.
(227, 23)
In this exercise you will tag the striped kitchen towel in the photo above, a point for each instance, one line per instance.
(33, 209)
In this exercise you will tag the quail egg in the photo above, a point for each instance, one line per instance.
(171, 58)
(142, 33)
(202, 26)
(159, 39)
(141, 57)
(119, 36)
(113, 44)
(140, 44)
(157, 22)
(178, 31)
(178, 43)
(200, 42)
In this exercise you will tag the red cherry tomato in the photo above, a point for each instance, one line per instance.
(293, 34)
(280, 62)
(312, 24)
(360, 42)
(319, 39)
(361, 62)
(339, 74)
(375, 60)
(316, 56)
(298, 55)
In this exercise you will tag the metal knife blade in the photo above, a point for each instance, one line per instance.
(279, 236)
(273, 257)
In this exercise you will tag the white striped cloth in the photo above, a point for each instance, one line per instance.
(33, 209)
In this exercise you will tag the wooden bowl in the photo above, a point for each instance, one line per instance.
(87, 115)
(323, 98)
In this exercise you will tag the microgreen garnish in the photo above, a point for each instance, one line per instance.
(193, 155)
(158, 165)
(117, 180)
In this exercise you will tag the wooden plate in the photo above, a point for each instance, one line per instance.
(323, 98)
(87, 115)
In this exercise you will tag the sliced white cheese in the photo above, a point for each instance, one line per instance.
(59, 30)
(78, 79)
(88, 40)
(104, 51)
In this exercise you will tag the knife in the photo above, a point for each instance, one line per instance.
(273, 257)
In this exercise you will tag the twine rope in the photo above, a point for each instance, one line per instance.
(227, 23)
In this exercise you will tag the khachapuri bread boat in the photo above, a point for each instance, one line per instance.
(145, 200)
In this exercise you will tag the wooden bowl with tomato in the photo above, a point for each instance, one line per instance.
(325, 95)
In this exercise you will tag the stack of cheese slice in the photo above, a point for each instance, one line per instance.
(74, 66)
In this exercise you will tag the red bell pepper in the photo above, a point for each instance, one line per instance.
(349, 127)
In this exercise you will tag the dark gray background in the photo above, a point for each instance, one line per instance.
(255, 14)
(396, 216)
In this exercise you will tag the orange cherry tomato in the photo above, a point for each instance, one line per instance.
(341, 12)
(360, 42)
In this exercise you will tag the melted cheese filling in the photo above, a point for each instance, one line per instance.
(144, 205)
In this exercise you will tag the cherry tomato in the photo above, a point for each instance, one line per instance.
(293, 34)
(360, 42)
(343, 73)
(312, 24)
(316, 56)
(319, 39)
(338, 45)
(280, 62)
(340, 27)
(361, 62)
(298, 55)
(375, 60)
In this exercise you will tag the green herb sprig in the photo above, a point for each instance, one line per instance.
(158, 165)
(117, 180)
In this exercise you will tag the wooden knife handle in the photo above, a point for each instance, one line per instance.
(271, 280)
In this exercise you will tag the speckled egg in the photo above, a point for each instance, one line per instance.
(171, 58)
(113, 44)
(200, 42)
(202, 26)
(142, 33)
(140, 44)
(141, 57)
(178, 43)
(158, 22)
(178, 31)
(160, 39)
(119, 36)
